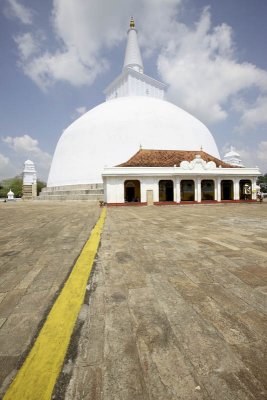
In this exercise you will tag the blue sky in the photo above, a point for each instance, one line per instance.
(58, 56)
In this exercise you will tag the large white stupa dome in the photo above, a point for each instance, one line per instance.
(135, 114)
(112, 132)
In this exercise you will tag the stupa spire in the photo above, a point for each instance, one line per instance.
(133, 57)
(132, 81)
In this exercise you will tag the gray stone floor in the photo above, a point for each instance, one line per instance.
(39, 243)
(178, 306)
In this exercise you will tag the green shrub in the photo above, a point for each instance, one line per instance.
(262, 182)
(40, 186)
(15, 184)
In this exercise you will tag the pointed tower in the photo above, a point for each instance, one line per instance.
(133, 57)
(132, 81)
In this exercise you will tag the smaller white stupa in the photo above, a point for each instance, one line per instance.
(233, 158)
(29, 180)
(10, 195)
(29, 173)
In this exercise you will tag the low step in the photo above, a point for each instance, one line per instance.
(93, 186)
(86, 197)
(70, 192)
(89, 192)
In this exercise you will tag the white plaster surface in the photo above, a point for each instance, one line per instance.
(112, 132)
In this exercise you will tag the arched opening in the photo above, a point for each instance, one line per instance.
(132, 191)
(227, 190)
(245, 191)
(166, 190)
(187, 190)
(207, 189)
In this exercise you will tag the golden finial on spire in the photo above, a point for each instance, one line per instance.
(132, 24)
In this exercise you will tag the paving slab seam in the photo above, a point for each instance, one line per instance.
(36, 378)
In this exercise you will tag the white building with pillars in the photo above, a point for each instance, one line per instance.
(164, 177)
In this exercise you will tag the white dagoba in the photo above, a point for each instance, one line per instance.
(29, 173)
(29, 188)
(10, 195)
(233, 157)
(134, 113)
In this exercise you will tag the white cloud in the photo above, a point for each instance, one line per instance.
(80, 110)
(3, 161)
(157, 27)
(202, 72)
(84, 30)
(22, 143)
(254, 115)
(27, 45)
(7, 170)
(27, 147)
(19, 11)
(49, 68)
(262, 153)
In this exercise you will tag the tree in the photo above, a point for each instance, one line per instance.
(262, 182)
(15, 184)
(40, 186)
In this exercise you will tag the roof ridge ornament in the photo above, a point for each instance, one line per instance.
(198, 164)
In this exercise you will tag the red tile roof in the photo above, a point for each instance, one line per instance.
(169, 158)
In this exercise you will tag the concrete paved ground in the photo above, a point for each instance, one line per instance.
(39, 243)
(177, 307)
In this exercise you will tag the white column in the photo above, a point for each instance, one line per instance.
(219, 192)
(156, 190)
(236, 189)
(178, 190)
(195, 186)
(253, 189)
(105, 189)
(142, 190)
(174, 188)
(198, 190)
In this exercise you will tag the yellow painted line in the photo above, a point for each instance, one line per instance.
(37, 376)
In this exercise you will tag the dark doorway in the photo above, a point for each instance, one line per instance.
(207, 190)
(227, 190)
(132, 191)
(187, 190)
(245, 189)
(166, 190)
